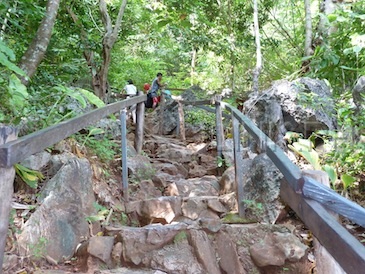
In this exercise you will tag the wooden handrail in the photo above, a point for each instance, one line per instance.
(305, 196)
(17, 150)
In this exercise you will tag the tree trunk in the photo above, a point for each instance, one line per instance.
(37, 49)
(7, 175)
(193, 63)
(110, 36)
(308, 51)
(257, 70)
(308, 29)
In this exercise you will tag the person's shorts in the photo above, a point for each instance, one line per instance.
(156, 100)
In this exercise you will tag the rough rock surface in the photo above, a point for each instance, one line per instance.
(276, 248)
(227, 182)
(37, 161)
(261, 184)
(101, 247)
(302, 106)
(59, 224)
(139, 242)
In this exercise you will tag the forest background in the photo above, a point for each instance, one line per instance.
(54, 50)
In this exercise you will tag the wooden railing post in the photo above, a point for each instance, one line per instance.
(162, 110)
(138, 137)
(181, 125)
(238, 165)
(7, 175)
(219, 130)
(123, 123)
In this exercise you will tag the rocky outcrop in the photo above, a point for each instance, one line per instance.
(191, 248)
(58, 225)
(304, 106)
(276, 248)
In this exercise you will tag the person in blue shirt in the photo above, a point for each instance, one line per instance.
(156, 85)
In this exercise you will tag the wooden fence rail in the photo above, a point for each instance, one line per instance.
(14, 151)
(304, 195)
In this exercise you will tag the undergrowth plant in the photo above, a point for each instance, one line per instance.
(305, 148)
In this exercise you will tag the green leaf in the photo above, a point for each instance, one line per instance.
(78, 97)
(331, 172)
(92, 98)
(5, 62)
(5, 49)
(347, 180)
(95, 131)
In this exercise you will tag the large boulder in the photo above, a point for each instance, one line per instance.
(261, 190)
(58, 225)
(304, 105)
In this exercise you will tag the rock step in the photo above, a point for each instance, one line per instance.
(171, 208)
(204, 246)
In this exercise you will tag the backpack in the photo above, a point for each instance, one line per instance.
(149, 102)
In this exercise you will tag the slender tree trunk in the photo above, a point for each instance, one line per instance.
(308, 29)
(37, 49)
(193, 63)
(257, 70)
(88, 54)
(308, 51)
(110, 36)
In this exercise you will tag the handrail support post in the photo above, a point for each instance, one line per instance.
(123, 123)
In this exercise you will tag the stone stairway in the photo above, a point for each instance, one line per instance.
(183, 223)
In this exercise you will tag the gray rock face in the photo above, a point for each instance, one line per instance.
(262, 185)
(276, 248)
(227, 182)
(358, 92)
(101, 248)
(139, 242)
(302, 106)
(176, 259)
(59, 224)
(37, 161)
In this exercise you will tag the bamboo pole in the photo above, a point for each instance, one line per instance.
(7, 176)
(138, 139)
(238, 165)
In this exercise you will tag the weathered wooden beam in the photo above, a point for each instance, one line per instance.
(138, 137)
(333, 201)
(17, 150)
(123, 123)
(345, 248)
(197, 103)
(238, 165)
(7, 176)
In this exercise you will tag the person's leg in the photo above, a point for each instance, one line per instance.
(155, 102)
(133, 112)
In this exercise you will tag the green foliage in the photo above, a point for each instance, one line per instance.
(253, 207)
(29, 176)
(202, 118)
(99, 144)
(341, 56)
(39, 248)
(179, 237)
(102, 213)
(13, 95)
